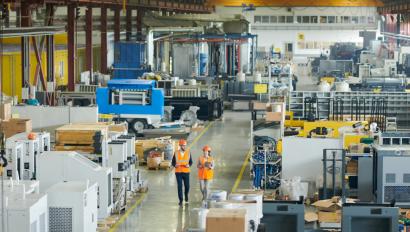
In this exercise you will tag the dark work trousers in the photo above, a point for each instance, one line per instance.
(182, 177)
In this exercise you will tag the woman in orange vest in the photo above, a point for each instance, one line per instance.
(182, 161)
(205, 170)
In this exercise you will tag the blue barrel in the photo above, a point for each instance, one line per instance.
(203, 64)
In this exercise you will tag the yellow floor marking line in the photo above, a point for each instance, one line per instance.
(129, 211)
(200, 135)
(240, 175)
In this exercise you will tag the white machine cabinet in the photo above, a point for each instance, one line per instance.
(15, 159)
(57, 166)
(72, 206)
(31, 150)
(117, 158)
(25, 214)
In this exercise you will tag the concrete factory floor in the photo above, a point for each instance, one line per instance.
(229, 139)
(159, 212)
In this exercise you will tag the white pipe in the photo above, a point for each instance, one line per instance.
(150, 38)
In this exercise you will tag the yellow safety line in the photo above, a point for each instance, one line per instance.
(240, 175)
(125, 216)
(200, 135)
(138, 202)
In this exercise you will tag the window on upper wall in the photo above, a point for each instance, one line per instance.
(282, 19)
(289, 19)
(299, 19)
(265, 19)
(331, 19)
(370, 19)
(355, 19)
(313, 19)
(362, 20)
(346, 19)
(273, 19)
(306, 19)
(257, 19)
(323, 19)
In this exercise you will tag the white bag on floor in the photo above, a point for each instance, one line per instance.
(294, 188)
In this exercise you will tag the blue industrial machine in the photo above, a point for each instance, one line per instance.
(136, 101)
(129, 60)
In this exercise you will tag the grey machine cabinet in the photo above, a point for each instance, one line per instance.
(283, 216)
(391, 174)
(370, 218)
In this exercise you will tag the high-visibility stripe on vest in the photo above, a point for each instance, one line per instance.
(205, 173)
(181, 160)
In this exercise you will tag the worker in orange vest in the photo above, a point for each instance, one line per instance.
(205, 167)
(182, 161)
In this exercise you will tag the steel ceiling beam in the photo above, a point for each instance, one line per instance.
(132, 4)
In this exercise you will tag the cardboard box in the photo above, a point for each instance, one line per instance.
(328, 205)
(352, 167)
(357, 148)
(5, 111)
(257, 105)
(16, 126)
(273, 117)
(330, 217)
(311, 217)
(226, 220)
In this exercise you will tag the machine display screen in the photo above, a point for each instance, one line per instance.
(280, 223)
(360, 224)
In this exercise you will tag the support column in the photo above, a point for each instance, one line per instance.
(140, 14)
(25, 15)
(25, 20)
(25, 61)
(50, 45)
(104, 41)
(71, 29)
(129, 24)
(398, 25)
(89, 42)
(50, 48)
(117, 24)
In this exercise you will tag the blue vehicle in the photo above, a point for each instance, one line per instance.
(138, 102)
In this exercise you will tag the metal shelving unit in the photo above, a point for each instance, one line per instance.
(274, 165)
(398, 103)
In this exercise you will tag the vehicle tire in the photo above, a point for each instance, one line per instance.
(138, 125)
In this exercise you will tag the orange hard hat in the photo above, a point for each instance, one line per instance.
(206, 148)
(182, 142)
(31, 136)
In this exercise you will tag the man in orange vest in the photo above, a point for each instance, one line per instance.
(182, 161)
(205, 167)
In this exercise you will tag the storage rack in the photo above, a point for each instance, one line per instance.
(398, 103)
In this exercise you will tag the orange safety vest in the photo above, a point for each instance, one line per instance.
(181, 160)
(205, 173)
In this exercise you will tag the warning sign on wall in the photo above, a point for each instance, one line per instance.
(301, 37)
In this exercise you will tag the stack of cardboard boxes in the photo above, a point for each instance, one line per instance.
(11, 126)
(329, 210)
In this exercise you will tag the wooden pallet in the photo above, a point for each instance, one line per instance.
(81, 133)
(87, 149)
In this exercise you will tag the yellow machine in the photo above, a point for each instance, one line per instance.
(332, 128)
(330, 80)
(327, 129)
